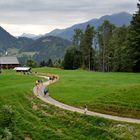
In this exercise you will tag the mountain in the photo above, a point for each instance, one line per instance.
(118, 19)
(24, 41)
(12, 45)
(55, 32)
(7, 40)
(48, 47)
(32, 36)
(42, 49)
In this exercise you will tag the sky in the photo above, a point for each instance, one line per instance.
(42, 16)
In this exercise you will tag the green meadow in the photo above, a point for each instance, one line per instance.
(33, 119)
(111, 93)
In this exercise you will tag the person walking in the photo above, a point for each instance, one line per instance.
(86, 109)
(37, 89)
(46, 92)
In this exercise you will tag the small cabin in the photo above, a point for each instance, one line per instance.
(23, 69)
(8, 62)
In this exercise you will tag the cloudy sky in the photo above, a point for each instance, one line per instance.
(42, 16)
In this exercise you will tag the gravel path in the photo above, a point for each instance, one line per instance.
(52, 101)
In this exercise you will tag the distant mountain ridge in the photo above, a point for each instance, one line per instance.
(32, 36)
(118, 19)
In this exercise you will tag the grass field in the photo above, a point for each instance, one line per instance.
(112, 93)
(36, 120)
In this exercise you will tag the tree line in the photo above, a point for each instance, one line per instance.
(108, 48)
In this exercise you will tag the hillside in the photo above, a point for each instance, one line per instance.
(48, 47)
(118, 19)
(28, 118)
(7, 41)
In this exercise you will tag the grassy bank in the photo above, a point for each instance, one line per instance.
(33, 119)
(112, 93)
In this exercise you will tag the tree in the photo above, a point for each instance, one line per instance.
(105, 32)
(119, 50)
(86, 47)
(31, 63)
(49, 63)
(134, 40)
(57, 63)
(77, 37)
(72, 59)
(42, 63)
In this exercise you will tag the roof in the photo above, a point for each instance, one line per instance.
(8, 60)
(22, 68)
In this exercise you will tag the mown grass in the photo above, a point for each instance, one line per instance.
(111, 93)
(39, 121)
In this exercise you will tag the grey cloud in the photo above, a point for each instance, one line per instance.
(58, 11)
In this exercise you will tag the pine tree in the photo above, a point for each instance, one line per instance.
(50, 63)
(72, 59)
(105, 33)
(77, 37)
(119, 50)
(42, 63)
(135, 40)
(86, 47)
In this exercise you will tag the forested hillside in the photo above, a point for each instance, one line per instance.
(108, 48)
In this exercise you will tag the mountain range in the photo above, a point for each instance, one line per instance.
(45, 47)
(118, 19)
(54, 44)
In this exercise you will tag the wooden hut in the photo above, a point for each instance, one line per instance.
(8, 62)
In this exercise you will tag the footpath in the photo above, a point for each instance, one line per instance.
(54, 102)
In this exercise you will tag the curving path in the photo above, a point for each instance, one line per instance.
(52, 101)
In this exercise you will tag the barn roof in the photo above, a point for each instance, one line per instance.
(8, 60)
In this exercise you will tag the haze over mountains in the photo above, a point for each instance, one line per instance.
(54, 44)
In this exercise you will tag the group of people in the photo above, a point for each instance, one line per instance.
(39, 86)
(40, 89)
(51, 78)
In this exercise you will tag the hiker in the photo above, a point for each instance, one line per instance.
(41, 82)
(46, 92)
(36, 83)
(50, 79)
(85, 110)
(37, 89)
(53, 78)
